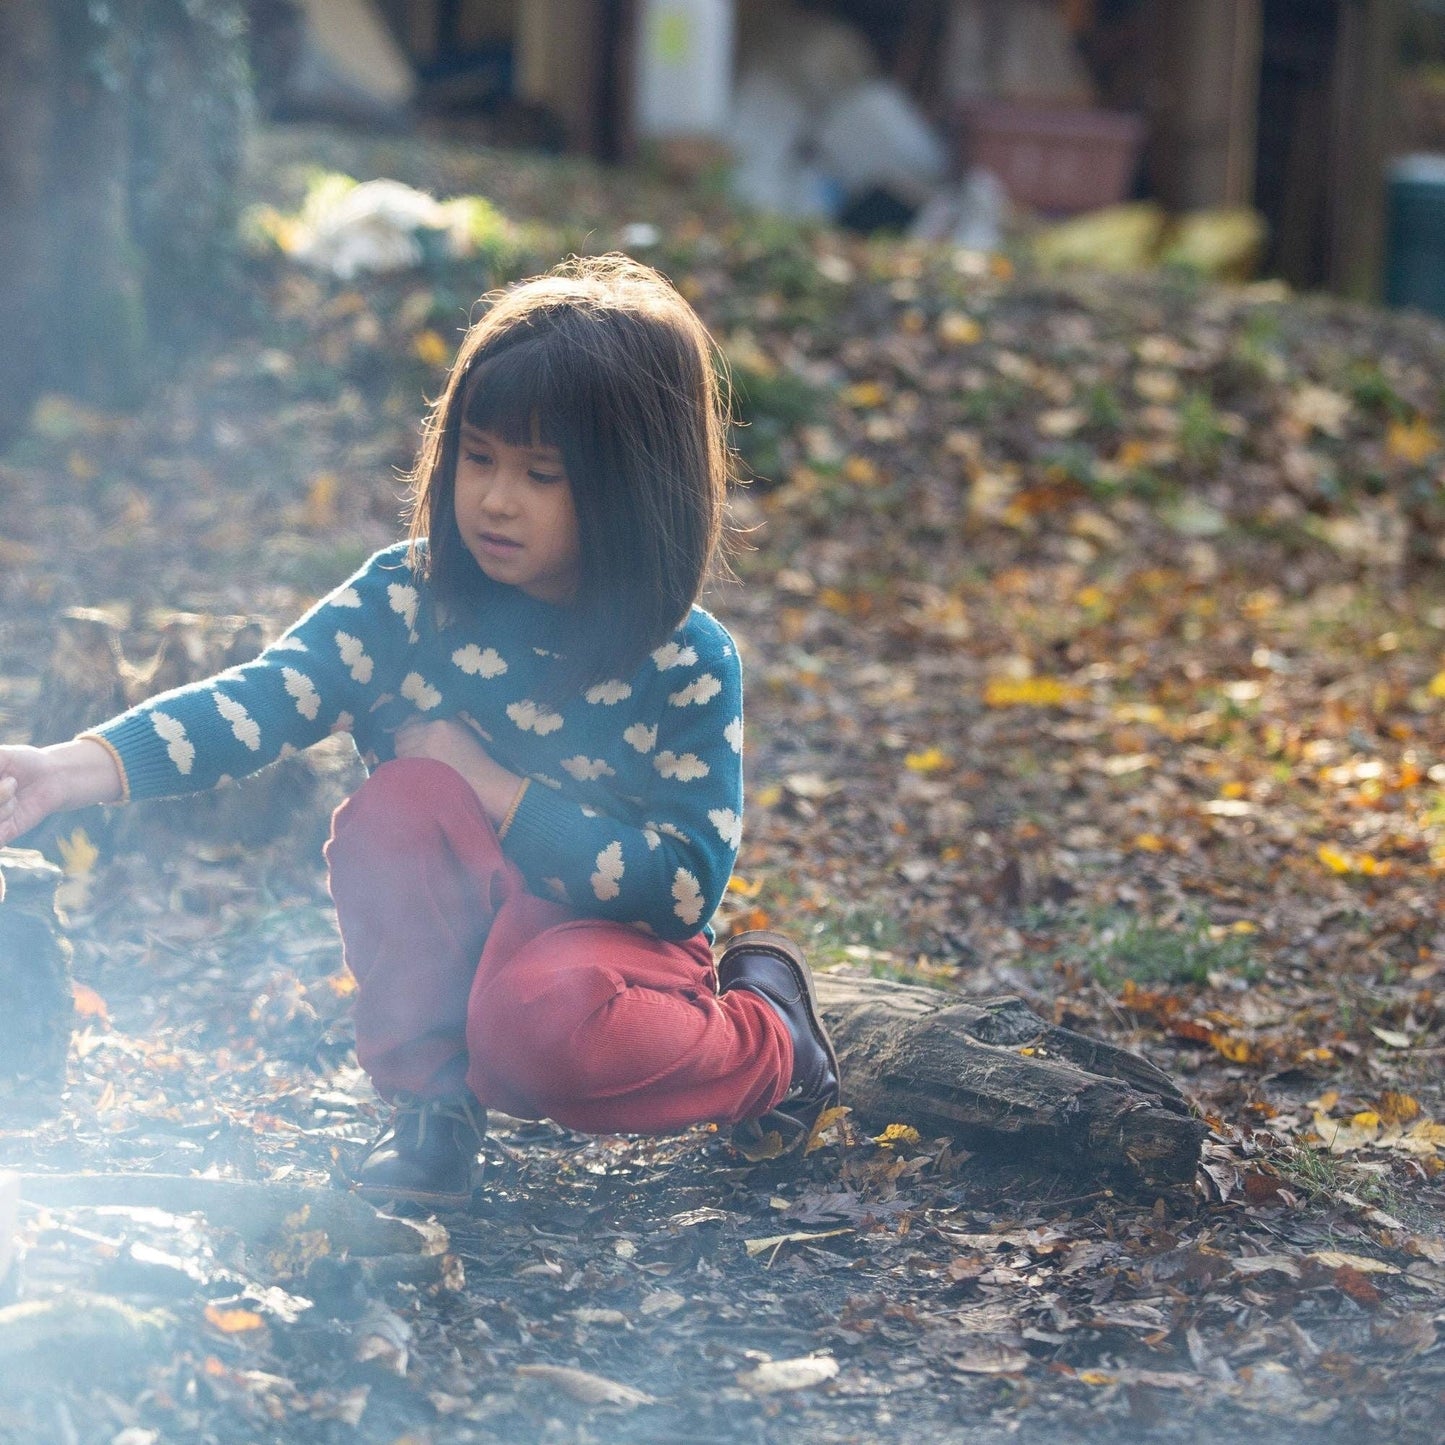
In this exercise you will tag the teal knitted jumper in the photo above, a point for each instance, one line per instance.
(635, 808)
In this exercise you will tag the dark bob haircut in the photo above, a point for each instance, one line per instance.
(602, 359)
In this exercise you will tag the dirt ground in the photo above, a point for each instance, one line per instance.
(1095, 642)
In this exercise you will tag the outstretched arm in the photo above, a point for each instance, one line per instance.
(36, 782)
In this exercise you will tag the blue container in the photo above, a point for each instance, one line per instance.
(1415, 244)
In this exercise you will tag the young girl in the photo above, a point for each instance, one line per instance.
(553, 730)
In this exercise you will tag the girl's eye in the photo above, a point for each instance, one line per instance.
(479, 459)
(547, 476)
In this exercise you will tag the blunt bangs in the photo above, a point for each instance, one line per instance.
(523, 392)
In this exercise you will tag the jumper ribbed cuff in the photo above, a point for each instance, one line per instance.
(115, 757)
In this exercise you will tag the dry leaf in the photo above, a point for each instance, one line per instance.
(990, 1357)
(88, 1003)
(1334, 1259)
(588, 1388)
(756, 1247)
(233, 1321)
(804, 1373)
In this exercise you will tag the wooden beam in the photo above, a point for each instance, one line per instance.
(1203, 101)
(1364, 93)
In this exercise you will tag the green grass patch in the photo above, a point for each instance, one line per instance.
(1113, 945)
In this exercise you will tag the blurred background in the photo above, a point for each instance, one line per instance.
(1297, 139)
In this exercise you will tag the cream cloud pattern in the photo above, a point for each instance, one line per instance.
(418, 691)
(479, 662)
(353, 654)
(610, 693)
(179, 749)
(687, 896)
(674, 654)
(640, 737)
(729, 825)
(243, 725)
(403, 601)
(587, 770)
(300, 687)
(531, 717)
(680, 767)
(609, 873)
(699, 691)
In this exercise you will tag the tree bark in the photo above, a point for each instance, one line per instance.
(121, 128)
(996, 1077)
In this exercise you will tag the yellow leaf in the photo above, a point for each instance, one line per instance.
(431, 348)
(768, 797)
(81, 467)
(957, 329)
(1436, 685)
(823, 1123)
(860, 470)
(898, 1134)
(1398, 1108)
(1365, 1119)
(1236, 1050)
(1370, 866)
(232, 1322)
(1149, 843)
(88, 1003)
(738, 884)
(1030, 692)
(863, 394)
(1095, 1377)
(1333, 859)
(319, 512)
(930, 760)
(1411, 441)
(1334, 1259)
(78, 853)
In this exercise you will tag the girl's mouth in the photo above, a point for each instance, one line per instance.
(497, 544)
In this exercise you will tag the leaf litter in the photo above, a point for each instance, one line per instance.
(1095, 629)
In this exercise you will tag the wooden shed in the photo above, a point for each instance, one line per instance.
(1280, 104)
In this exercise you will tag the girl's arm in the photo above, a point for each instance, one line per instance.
(319, 677)
(452, 742)
(36, 782)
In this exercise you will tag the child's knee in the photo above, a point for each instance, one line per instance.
(531, 1023)
(402, 802)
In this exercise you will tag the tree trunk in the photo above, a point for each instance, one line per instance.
(28, 67)
(120, 142)
(996, 1077)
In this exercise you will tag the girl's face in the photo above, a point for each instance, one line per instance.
(515, 514)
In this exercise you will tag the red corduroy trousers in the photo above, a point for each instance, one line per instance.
(465, 979)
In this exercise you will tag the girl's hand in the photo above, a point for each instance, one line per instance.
(36, 782)
(451, 741)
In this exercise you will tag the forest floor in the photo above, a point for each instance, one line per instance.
(1094, 630)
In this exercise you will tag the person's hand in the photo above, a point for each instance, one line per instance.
(451, 741)
(36, 782)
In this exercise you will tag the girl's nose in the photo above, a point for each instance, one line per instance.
(500, 498)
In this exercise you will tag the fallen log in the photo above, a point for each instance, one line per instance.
(993, 1075)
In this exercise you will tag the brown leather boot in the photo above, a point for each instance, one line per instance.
(772, 966)
(426, 1154)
